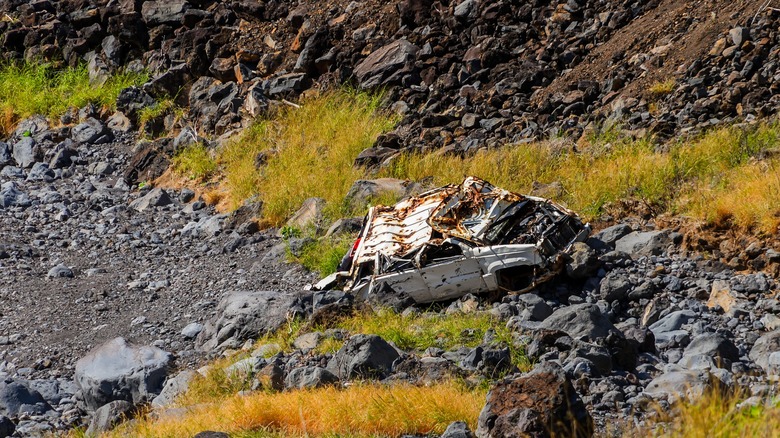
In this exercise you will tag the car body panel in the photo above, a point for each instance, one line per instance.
(459, 239)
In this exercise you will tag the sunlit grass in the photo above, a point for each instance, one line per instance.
(194, 162)
(360, 410)
(28, 89)
(310, 152)
(709, 178)
(715, 415)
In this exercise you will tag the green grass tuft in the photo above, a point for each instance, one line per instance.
(194, 162)
(28, 89)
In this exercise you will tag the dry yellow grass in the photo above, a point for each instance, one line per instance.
(360, 410)
(309, 151)
(714, 178)
(715, 415)
(726, 177)
(662, 88)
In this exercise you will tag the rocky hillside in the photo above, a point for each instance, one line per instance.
(643, 314)
(465, 75)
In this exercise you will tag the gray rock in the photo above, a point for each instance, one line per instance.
(40, 172)
(25, 152)
(673, 321)
(677, 384)
(614, 286)
(383, 62)
(467, 9)
(345, 226)
(580, 321)
(60, 271)
(715, 346)
(287, 84)
(583, 261)
(156, 13)
(309, 377)
(109, 415)
(766, 346)
(7, 427)
(243, 315)
(307, 341)
(645, 243)
(363, 356)
(310, 214)
(174, 387)
(156, 197)
(88, 132)
(6, 154)
(119, 371)
(211, 434)
(537, 308)
(11, 196)
(739, 35)
(192, 330)
(17, 398)
(458, 429)
(32, 127)
(613, 234)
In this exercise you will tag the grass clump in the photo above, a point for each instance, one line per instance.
(716, 414)
(27, 89)
(411, 332)
(662, 88)
(307, 151)
(719, 177)
(194, 162)
(360, 410)
(324, 255)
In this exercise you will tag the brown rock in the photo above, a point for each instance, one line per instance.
(542, 403)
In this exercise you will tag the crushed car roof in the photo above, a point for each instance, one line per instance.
(495, 232)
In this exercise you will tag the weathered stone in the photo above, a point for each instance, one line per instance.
(156, 13)
(767, 345)
(581, 321)
(363, 356)
(156, 197)
(109, 415)
(309, 377)
(383, 62)
(310, 214)
(541, 403)
(243, 315)
(117, 370)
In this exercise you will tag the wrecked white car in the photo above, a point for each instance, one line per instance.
(458, 239)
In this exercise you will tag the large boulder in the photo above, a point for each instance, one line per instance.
(710, 346)
(679, 384)
(644, 243)
(363, 356)
(163, 12)
(309, 377)
(90, 131)
(117, 370)
(16, 398)
(25, 152)
(541, 403)
(581, 321)
(766, 346)
(244, 315)
(379, 66)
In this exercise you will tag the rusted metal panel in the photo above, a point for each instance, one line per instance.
(458, 239)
